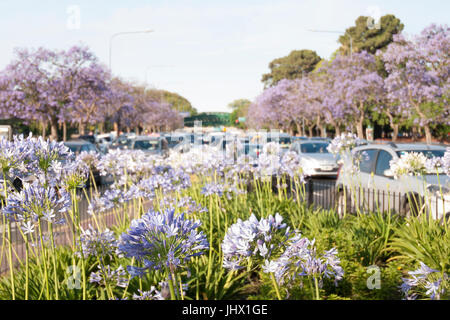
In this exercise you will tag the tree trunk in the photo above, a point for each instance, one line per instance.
(291, 131)
(395, 127)
(299, 129)
(54, 129)
(323, 130)
(116, 128)
(360, 128)
(427, 130)
(81, 128)
(44, 129)
(338, 130)
(101, 127)
(137, 130)
(64, 131)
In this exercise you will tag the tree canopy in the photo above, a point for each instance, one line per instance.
(366, 37)
(293, 66)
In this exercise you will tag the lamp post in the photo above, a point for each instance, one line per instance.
(122, 33)
(339, 32)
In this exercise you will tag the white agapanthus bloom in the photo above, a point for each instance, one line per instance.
(344, 143)
(411, 163)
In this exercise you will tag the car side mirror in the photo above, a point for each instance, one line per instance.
(388, 173)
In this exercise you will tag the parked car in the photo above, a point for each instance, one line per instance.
(78, 145)
(121, 142)
(325, 139)
(88, 137)
(315, 159)
(104, 141)
(410, 195)
(151, 145)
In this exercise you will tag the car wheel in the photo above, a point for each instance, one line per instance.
(343, 203)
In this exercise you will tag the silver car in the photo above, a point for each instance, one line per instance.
(151, 145)
(409, 195)
(315, 159)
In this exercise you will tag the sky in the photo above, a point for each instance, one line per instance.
(211, 52)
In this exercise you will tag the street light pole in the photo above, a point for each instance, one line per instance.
(122, 33)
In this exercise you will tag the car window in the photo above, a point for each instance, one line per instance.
(383, 162)
(87, 147)
(146, 144)
(427, 153)
(367, 159)
(314, 147)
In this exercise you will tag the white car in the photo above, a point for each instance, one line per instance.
(315, 159)
(374, 186)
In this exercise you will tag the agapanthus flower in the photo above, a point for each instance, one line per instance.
(446, 162)
(45, 152)
(425, 281)
(162, 240)
(300, 258)
(36, 202)
(90, 159)
(342, 144)
(98, 244)
(213, 188)
(74, 174)
(110, 199)
(410, 163)
(254, 239)
(13, 155)
(107, 276)
(152, 294)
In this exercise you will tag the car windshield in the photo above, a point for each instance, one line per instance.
(314, 148)
(146, 144)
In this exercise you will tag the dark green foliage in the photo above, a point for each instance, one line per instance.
(370, 39)
(292, 66)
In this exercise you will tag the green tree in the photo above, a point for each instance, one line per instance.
(178, 102)
(293, 66)
(239, 109)
(370, 37)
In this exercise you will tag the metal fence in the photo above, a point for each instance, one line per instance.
(324, 194)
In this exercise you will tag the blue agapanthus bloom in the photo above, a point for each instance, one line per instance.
(162, 241)
(425, 281)
(300, 258)
(98, 244)
(213, 188)
(107, 276)
(13, 155)
(253, 238)
(36, 202)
